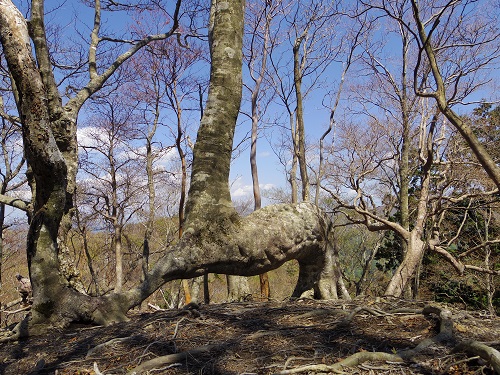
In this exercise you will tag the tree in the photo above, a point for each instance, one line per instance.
(169, 83)
(117, 188)
(259, 22)
(215, 238)
(481, 42)
(385, 178)
(13, 164)
(300, 55)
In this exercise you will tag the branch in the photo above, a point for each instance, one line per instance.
(97, 81)
(458, 265)
(15, 202)
(477, 247)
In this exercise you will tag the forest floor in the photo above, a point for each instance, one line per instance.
(303, 336)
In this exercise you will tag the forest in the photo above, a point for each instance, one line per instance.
(161, 154)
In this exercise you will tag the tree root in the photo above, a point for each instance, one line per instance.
(20, 331)
(351, 361)
(92, 351)
(487, 353)
(169, 359)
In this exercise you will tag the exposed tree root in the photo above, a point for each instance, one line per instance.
(20, 331)
(445, 335)
(92, 351)
(351, 361)
(489, 354)
(165, 360)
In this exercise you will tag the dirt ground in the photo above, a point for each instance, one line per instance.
(259, 338)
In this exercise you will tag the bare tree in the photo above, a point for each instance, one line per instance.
(256, 54)
(216, 239)
(297, 68)
(49, 133)
(13, 163)
(439, 31)
(387, 169)
(117, 189)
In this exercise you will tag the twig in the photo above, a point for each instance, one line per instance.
(10, 304)
(7, 312)
(156, 307)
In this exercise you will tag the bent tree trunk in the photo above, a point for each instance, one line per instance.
(215, 240)
(43, 156)
(406, 270)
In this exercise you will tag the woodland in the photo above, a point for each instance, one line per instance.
(121, 122)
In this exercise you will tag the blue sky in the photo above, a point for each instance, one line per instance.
(71, 14)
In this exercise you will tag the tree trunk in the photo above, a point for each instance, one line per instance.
(301, 136)
(293, 169)
(406, 270)
(44, 158)
(482, 155)
(264, 278)
(215, 238)
(238, 289)
(117, 244)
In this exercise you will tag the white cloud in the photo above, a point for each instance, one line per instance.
(89, 135)
(239, 189)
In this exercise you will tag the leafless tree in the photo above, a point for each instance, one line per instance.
(307, 48)
(107, 158)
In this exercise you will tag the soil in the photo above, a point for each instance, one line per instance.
(258, 338)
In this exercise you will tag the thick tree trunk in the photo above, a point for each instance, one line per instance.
(215, 238)
(257, 243)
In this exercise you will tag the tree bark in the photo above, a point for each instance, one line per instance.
(44, 157)
(414, 254)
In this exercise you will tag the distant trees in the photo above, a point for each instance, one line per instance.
(393, 176)
(115, 184)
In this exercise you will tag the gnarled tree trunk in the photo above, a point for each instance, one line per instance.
(215, 240)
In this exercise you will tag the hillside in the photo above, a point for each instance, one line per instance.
(268, 338)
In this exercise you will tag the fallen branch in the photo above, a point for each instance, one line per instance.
(10, 312)
(11, 304)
